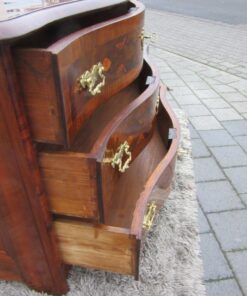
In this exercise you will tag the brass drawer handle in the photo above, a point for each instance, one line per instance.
(149, 217)
(144, 36)
(89, 79)
(157, 104)
(117, 159)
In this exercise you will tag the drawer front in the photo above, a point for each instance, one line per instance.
(123, 147)
(56, 103)
(97, 246)
(71, 184)
(96, 65)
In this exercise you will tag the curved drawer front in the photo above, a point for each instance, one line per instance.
(76, 181)
(64, 83)
(116, 245)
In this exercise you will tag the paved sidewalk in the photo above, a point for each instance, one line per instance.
(222, 46)
(216, 103)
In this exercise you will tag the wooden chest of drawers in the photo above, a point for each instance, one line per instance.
(87, 137)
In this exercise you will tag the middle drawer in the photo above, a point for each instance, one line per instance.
(105, 147)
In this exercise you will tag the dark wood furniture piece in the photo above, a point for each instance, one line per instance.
(86, 134)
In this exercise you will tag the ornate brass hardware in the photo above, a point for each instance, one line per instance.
(144, 36)
(117, 159)
(89, 79)
(157, 104)
(149, 217)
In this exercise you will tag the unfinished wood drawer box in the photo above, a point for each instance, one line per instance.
(76, 179)
(67, 72)
(115, 246)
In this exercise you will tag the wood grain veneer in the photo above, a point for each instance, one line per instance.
(115, 246)
(48, 72)
(74, 179)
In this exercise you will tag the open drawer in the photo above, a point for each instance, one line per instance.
(115, 246)
(76, 181)
(71, 67)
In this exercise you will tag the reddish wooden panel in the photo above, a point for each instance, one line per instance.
(25, 224)
(71, 184)
(37, 79)
(49, 74)
(101, 247)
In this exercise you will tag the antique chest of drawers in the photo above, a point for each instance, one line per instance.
(87, 137)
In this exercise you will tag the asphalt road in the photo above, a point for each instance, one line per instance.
(227, 11)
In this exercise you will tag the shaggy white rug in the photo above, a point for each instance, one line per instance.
(170, 262)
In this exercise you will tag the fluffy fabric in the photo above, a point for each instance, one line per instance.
(170, 264)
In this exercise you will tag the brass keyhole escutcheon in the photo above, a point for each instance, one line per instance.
(89, 79)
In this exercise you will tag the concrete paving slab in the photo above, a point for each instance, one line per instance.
(205, 123)
(238, 177)
(218, 196)
(230, 156)
(238, 261)
(230, 229)
(223, 288)
(214, 263)
(206, 169)
(217, 138)
(199, 149)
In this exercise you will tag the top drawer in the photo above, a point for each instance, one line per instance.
(63, 81)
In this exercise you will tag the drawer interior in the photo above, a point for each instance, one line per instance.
(55, 31)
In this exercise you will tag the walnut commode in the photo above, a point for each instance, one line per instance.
(87, 135)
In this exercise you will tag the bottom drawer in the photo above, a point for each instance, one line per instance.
(115, 246)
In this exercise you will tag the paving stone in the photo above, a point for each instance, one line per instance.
(240, 85)
(206, 169)
(203, 223)
(234, 97)
(182, 90)
(230, 156)
(173, 82)
(191, 78)
(174, 104)
(187, 100)
(238, 177)
(230, 229)
(242, 140)
(238, 262)
(223, 288)
(214, 263)
(222, 88)
(205, 123)
(199, 149)
(198, 85)
(218, 196)
(226, 114)
(193, 133)
(209, 72)
(196, 110)
(170, 76)
(244, 198)
(241, 107)
(205, 94)
(227, 78)
(236, 127)
(182, 71)
(217, 138)
(216, 103)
